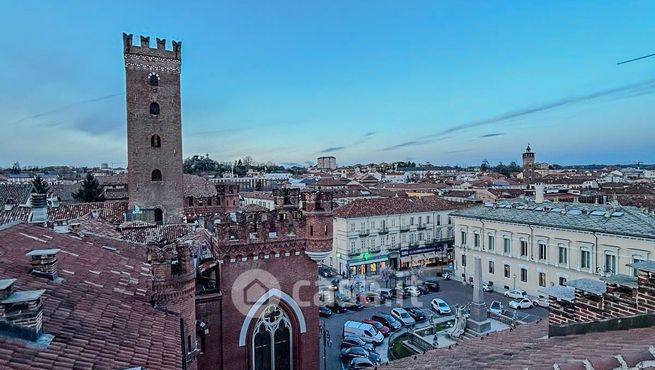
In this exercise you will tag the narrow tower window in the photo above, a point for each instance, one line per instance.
(156, 175)
(154, 108)
(153, 80)
(155, 141)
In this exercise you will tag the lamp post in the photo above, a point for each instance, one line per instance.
(325, 341)
(514, 277)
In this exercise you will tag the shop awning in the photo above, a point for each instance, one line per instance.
(417, 257)
(430, 255)
(405, 259)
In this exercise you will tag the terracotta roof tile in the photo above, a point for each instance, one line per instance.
(395, 205)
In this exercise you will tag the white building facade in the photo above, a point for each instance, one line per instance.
(530, 246)
(371, 234)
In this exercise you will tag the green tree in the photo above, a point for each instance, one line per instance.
(90, 190)
(40, 186)
(484, 167)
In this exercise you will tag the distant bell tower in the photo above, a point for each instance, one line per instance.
(528, 166)
(154, 130)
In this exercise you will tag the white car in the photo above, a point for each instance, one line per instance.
(515, 294)
(403, 316)
(412, 291)
(488, 287)
(541, 301)
(440, 306)
(496, 307)
(520, 303)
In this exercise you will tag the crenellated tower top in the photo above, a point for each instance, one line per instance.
(144, 48)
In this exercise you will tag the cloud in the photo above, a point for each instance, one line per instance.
(332, 149)
(66, 107)
(621, 92)
(414, 142)
(369, 134)
(494, 134)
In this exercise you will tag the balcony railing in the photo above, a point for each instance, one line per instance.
(420, 227)
(404, 229)
(364, 232)
(383, 230)
(374, 249)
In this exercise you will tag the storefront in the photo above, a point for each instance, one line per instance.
(367, 267)
(432, 255)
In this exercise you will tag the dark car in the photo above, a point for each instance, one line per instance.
(326, 272)
(432, 285)
(378, 325)
(347, 302)
(423, 289)
(371, 298)
(416, 313)
(355, 341)
(359, 363)
(348, 354)
(323, 311)
(387, 320)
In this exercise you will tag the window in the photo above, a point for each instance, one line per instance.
(153, 79)
(563, 255)
(491, 245)
(562, 280)
(427, 219)
(506, 271)
(352, 246)
(463, 260)
(411, 220)
(542, 279)
(155, 141)
(438, 220)
(463, 237)
(507, 245)
(610, 264)
(476, 240)
(491, 267)
(159, 216)
(585, 259)
(352, 227)
(636, 259)
(420, 220)
(542, 251)
(393, 240)
(363, 244)
(154, 108)
(524, 248)
(156, 175)
(524, 275)
(450, 220)
(311, 229)
(271, 340)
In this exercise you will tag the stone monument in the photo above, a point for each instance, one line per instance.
(478, 321)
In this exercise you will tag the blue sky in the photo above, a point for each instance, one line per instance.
(450, 82)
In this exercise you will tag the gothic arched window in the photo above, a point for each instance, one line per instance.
(155, 141)
(153, 79)
(272, 340)
(156, 175)
(154, 108)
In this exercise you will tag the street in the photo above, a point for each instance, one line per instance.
(453, 292)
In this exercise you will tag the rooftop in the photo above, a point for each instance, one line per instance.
(643, 265)
(596, 287)
(395, 205)
(99, 314)
(23, 296)
(629, 221)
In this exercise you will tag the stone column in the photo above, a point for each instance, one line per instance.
(478, 321)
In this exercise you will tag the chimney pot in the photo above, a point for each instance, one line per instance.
(44, 262)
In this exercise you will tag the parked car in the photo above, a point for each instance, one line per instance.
(514, 293)
(378, 325)
(348, 302)
(496, 307)
(432, 285)
(387, 320)
(440, 306)
(541, 301)
(365, 331)
(324, 311)
(403, 316)
(412, 291)
(416, 313)
(359, 363)
(518, 303)
(488, 286)
(371, 298)
(326, 271)
(348, 354)
(355, 341)
(385, 292)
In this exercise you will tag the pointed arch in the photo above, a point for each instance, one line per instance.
(282, 296)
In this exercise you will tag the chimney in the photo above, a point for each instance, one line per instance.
(21, 312)
(44, 262)
(60, 226)
(39, 212)
(539, 193)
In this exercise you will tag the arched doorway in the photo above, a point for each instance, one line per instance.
(159, 216)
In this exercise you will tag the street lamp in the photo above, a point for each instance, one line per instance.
(514, 277)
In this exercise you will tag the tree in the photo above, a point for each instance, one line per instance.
(90, 190)
(385, 275)
(40, 186)
(484, 167)
(15, 168)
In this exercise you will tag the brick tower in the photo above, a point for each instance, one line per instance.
(154, 130)
(528, 166)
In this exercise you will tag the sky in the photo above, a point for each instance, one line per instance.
(445, 82)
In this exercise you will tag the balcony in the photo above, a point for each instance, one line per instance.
(383, 230)
(404, 229)
(393, 247)
(420, 227)
(353, 253)
(374, 250)
(364, 232)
